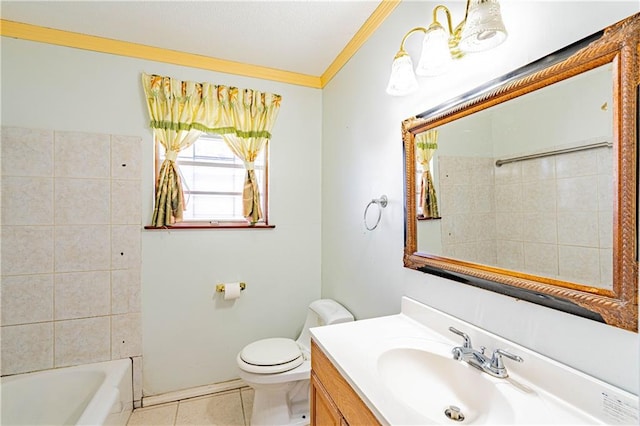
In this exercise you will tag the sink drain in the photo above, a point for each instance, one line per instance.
(452, 412)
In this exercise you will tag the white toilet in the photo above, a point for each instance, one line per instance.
(278, 369)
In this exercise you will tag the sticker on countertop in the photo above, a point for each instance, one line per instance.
(619, 411)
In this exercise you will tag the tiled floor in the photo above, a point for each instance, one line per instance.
(231, 408)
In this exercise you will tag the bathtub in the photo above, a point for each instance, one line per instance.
(90, 394)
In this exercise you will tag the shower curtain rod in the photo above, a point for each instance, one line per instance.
(554, 152)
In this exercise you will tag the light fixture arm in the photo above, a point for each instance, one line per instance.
(403, 52)
(447, 13)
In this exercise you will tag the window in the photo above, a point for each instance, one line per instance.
(213, 180)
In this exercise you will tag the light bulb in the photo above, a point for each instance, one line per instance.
(402, 80)
(483, 28)
(436, 57)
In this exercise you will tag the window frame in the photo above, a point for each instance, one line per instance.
(217, 224)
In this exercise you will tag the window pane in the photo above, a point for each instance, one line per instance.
(209, 166)
(214, 207)
(212, 179)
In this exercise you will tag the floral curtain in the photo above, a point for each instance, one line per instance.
(181, 111)
(251, 115)
(174, 108)
(426, 145)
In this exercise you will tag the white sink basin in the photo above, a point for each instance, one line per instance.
(431, 383)
(402, 367)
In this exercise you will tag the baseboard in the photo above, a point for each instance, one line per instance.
(178, 395)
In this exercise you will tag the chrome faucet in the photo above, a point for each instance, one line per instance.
(476, 358)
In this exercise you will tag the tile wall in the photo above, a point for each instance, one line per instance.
(467, 207)
(550, 216)
(71, 253)
(555, 216)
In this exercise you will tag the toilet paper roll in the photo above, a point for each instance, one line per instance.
(231, 291)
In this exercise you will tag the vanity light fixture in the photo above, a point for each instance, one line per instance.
(481, 29)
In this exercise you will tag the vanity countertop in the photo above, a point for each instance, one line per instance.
(537, 391)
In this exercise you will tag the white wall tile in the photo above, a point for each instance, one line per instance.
(82, 248)
(578, 194)
(125, 291)
(126, 202)
(541, 259)
(27, 200)
(462, 199)
(510, 254)
(126, 332)
(578, 228)
(539, 169)
(126, 157)
(27, 152)
(540, 228)
(27, 348)
(445, 171)
(483, 198)
(539, 196)
(82, 201)
(509, 226)
(82, 341)
(82, 155)
(482, 171)
(605, 193)
(82, 294)
(576, 164)
(137, 377)
(126, 248)
(605, 161)
(27, 299)
(606, 268)
(462, 170)
(605, 229)
(509, 198)
(27, 250)
(581, 264)
(509, 173)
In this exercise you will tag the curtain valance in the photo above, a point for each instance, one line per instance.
(180, 111)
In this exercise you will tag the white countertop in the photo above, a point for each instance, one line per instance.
(568, 396)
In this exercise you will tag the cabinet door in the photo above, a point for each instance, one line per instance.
(323, 411)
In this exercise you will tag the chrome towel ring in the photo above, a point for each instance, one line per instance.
(381, 203)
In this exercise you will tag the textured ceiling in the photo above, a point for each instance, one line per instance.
(296, 35)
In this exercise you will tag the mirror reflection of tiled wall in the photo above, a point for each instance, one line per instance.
(71, 254)
(550, 216)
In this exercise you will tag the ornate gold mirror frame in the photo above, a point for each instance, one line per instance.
(618, 45)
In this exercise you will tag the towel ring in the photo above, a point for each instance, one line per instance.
(381, 203)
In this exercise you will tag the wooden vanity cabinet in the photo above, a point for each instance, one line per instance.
(333, 401)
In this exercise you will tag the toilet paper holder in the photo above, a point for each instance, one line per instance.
(220, 287)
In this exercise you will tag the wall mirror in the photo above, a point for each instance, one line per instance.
(528, 186)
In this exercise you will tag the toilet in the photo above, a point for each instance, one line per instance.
(278, 369)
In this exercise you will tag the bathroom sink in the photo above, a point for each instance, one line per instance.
(402, 368)
(441, 389)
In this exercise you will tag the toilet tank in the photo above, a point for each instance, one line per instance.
(322, 312)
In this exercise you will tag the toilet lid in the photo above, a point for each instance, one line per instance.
(272, 352)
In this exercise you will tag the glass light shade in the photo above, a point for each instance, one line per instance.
(436, 56)
(484, 28)
(402, 80)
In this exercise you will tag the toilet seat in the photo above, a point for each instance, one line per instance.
(270, 356)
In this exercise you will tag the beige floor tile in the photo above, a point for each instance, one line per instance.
(157, 415)
(220, 409)
(246, 395)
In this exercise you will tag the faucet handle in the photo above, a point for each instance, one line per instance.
(496, 358)
(467, 340)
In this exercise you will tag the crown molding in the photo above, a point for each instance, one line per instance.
(140, 51)
(384, 9)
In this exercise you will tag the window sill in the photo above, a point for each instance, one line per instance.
(207, 225)
(427, 218)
